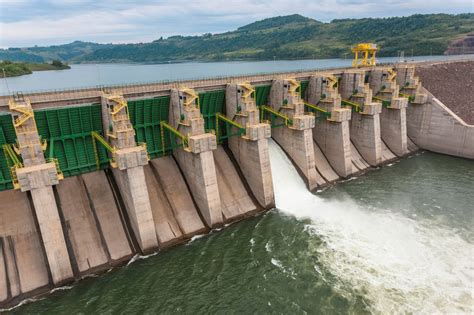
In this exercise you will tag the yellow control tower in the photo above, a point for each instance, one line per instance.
(364, 54)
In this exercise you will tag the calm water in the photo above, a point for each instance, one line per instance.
(88, 75)
(399, 239)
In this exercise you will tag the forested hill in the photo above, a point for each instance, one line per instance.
(286, 37)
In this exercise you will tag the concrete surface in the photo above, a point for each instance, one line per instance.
(358, 162)
(297, 141)
(178, 195)
(133, 189)
(81, 227)
(107, 213)
(323, 166)
(387, 155)
(333, 138)
(23, 265)
(197, 162)
(236, 200)
(433, 126)
(366, 137)
(52, 234)
(251, 152)
(394, 131)
(166, 226)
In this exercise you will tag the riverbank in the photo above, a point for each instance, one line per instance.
(16, 69)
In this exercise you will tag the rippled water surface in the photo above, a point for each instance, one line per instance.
(398, 239)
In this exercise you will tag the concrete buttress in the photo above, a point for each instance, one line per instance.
(37, 176)
(365, 120)
(195, 158)
(128, 160)
(393, 123)
(251, 150)
(331, 134)
(295, 138)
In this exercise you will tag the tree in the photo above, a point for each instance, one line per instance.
(57, 63)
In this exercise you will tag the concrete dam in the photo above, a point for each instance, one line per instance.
(90, 178)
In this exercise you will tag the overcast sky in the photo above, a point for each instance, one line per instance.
(45, 22)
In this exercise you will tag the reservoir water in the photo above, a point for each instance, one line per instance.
(88, 75)
(399, 239)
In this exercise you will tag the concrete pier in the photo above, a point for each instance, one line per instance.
(37, 177)
(128, 160)
(331, 133)
(196, 159)
(296, 138)
(251, 151)
(384, 86)
(365, 120)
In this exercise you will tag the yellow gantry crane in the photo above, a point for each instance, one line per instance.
(364, 55)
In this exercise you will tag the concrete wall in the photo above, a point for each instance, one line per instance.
(198, 167)
(393, 117)
(52, 234)
(296, 142)
(432, 126)
(251, 152)
(134, 192)
(178, 196)
(23, 262)
(89, 253)
(334, 140)
(114, 237)
(394, 130)
(331, 135)
(366, 136)
(236, 201)
(365, 121)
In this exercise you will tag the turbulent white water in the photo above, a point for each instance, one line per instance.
(399, 264)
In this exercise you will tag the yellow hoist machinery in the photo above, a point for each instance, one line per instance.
(364, 55)
(29, 149)
(120, 134)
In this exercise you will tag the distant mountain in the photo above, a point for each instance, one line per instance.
(283, 37)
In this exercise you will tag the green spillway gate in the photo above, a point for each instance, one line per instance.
(68, 133)
(303, 89)
(211, 103)
(261, 94)
(7, 136)
(145, 116)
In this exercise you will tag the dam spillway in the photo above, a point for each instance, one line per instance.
(209, 166)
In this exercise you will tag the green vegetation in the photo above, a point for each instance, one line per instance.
(287, 37)
(14, 69)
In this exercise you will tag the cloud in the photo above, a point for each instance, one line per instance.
(45, 22)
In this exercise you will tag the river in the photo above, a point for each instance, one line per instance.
(399, 239)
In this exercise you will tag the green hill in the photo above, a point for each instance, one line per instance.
(286, 37)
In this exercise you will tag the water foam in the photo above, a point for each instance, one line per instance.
(401, 265)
